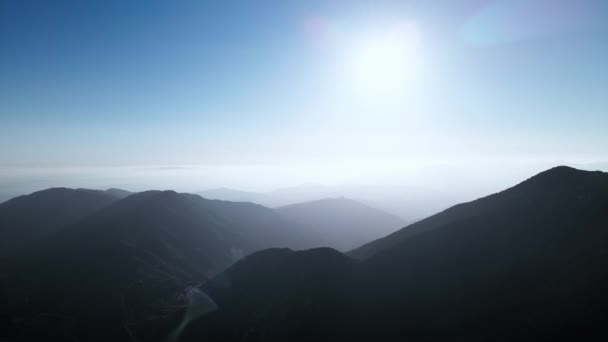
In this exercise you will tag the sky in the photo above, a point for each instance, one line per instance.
(261, 94)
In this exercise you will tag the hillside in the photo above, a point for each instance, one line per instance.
(527, 263)
(342, 223)
(130, 264)
(28, 218)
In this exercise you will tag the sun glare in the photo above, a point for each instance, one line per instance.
(385, 64)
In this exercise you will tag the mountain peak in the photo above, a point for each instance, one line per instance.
(551, 190)
(561, 170)
(344, 222)
(332, 202)
(562, 176)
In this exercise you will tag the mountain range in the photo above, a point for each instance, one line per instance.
(120, 259)
(527, 263)
(343, 223)
(407, 202)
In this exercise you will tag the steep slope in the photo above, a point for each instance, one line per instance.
(277, 294)
(116, 273)
(528, 263)
(26, 219)
(541, 191)
(342, 223)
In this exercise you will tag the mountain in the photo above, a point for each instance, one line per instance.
(278, 294)
(28, 218)
(119, 193)
(510, 203)
(232, 195)
(528, 263)
(407, 202)
(5, 196)
(343, 223)
(115, 274)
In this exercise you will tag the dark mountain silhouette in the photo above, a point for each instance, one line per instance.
(279, 293)
(342, 223)
(534, 193)
(26, 219)
(528, 263)
(118, 272)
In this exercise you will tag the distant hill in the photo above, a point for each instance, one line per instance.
(342, 223)
(528, 263)
(119, 193)
(226, 194)
(133, 261)
(27, 218)
(409, 203)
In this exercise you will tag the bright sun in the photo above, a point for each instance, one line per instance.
(386, 64)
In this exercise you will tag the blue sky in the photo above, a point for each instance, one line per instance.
(95, 84)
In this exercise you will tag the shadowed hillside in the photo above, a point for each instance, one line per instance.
(25, 219)
(130, 264)
(528, 263)
(524, 264)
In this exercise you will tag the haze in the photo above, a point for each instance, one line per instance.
(303, 170)
(466, 97)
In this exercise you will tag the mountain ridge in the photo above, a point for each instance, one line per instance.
(25, 219)
(144, 252)
(464, 209)
(344, 223)
(527, 263)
